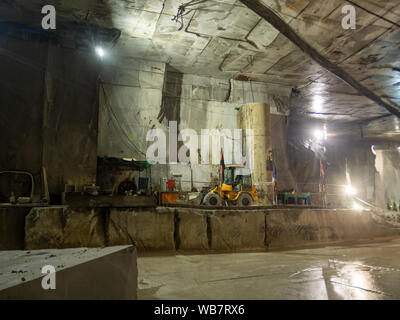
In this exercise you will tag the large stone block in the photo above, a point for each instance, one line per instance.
(12, 225)
(292, 228)
(81, 274)
(84, 227)
(62, 227)
(235, 230)
(44, 228)
(147, 229)
(191, 229)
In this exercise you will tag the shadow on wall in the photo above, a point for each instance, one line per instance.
(172, 93)
(50, 80)
(279, 127)
(304, 152)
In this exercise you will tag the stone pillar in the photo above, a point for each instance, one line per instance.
(256, 116)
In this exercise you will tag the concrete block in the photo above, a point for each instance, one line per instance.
(192, 229)
(81, 274)
(12, 225)
(147, 229)
(44, 228)
(292, 228)
(233, 230)
(84, 227)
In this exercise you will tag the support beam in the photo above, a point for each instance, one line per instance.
(272, 18)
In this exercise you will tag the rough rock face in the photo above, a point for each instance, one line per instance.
(290, 228)
(12, 221)
(44, 228)
(191, 230)
(61, 227)
(147, 229)
(83, 227)
(233, 230)
(185, 229)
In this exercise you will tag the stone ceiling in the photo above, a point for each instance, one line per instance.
(223, 38)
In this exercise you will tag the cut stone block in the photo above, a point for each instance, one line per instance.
(292, 228)
(84, 227)
(192, 229)
(234, 230)
(81, 274)
(44, 228)
(147, 229)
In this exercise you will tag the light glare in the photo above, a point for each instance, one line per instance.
(100, 51)
(350, 190)
(319, 134)
(317, 104)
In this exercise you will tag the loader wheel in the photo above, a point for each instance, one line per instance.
(245, 200)
(212, 199)
(233, 203)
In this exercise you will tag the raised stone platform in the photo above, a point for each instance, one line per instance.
(81, 273)
(169, 229)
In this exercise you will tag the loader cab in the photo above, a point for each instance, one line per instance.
(236, 189)
(236, 179)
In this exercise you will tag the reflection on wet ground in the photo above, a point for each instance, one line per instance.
(352, 272)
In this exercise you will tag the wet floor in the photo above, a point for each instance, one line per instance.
(369, 271)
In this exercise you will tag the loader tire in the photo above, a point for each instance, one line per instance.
(245, 200)
(212, 199)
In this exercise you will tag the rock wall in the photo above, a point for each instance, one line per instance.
(185, 230)
(21, 103)
(48, 99)
(138, 95)
(388, 167)
(70, 116)
(12, 228)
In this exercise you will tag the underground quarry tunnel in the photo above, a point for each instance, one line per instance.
(200, 150)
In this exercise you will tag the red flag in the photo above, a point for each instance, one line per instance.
(221, 168)
(321, 169)
(321, 177)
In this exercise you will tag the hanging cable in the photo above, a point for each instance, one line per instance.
(181, 9)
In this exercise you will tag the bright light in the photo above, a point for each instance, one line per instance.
(373, 150)
(357, 207)
(317, 104)
(350, 190)
(398, 149)
(325, 132)
(319, 134)
(100, 51)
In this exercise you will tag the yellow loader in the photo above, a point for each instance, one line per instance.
(236, 190)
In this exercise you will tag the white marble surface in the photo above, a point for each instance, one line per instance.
(17, 267)
(368, 271)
